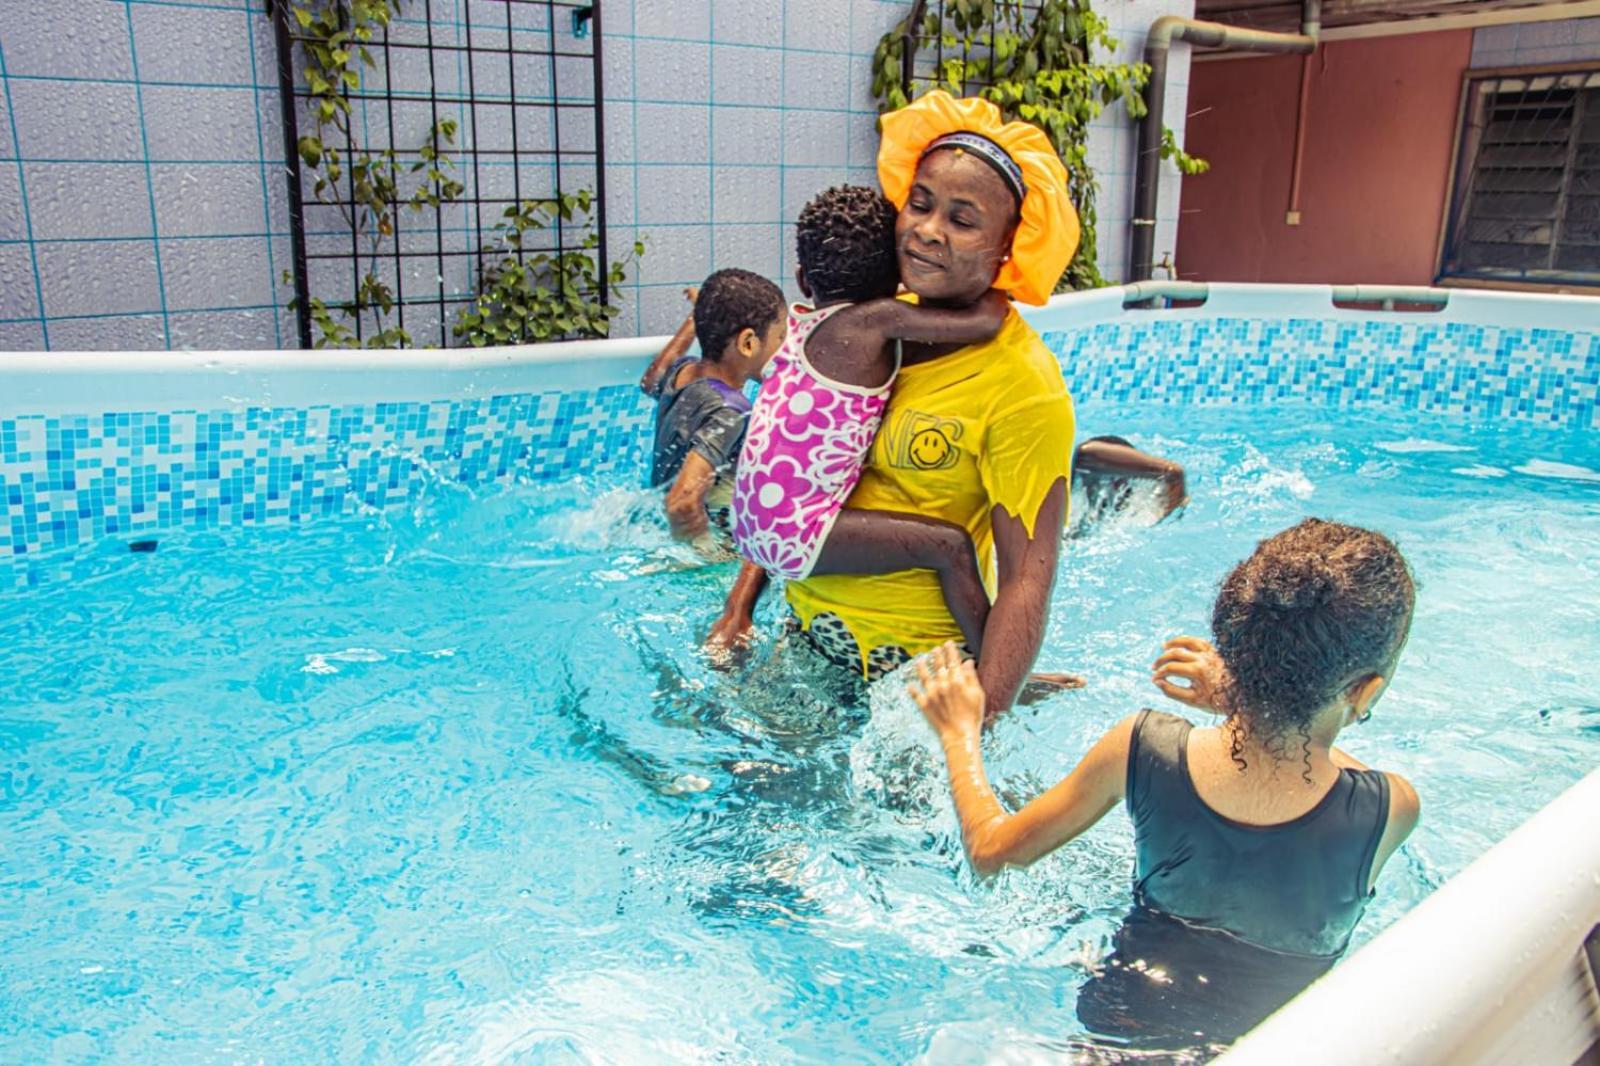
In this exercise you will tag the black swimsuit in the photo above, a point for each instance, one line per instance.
(1238, 918)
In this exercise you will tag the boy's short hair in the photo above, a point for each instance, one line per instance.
(731, 301)
(846, 244)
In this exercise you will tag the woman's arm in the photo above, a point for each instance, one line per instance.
(1027, 573)
(952, 699)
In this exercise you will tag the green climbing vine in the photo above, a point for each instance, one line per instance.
(547, 295)
(1037, 64)
(520, 298)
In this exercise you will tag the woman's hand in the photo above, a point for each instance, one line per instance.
(1195, 661)
(948, 692)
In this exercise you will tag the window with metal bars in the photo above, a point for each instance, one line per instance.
(1526, 200)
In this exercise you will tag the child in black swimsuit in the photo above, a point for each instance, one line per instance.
(1258, 841)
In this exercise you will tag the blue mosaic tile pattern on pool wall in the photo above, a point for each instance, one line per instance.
(68, 481)
(73, 480)
(1546, 377)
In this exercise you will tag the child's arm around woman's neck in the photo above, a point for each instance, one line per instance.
(854, 345)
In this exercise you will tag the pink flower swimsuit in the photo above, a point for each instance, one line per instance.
(807, 441)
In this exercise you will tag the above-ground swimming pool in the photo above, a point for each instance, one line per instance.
(398, 746)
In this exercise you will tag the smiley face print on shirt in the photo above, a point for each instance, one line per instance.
(917, 441)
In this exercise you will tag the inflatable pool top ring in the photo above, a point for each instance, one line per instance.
(1047, 235)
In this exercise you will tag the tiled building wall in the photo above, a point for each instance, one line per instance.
(142, 196)
(140, 176)
(1536, 43)
(725, 116)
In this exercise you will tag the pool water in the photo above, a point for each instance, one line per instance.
(451, 782)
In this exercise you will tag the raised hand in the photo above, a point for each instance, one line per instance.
(948, 691)
(1196, 663)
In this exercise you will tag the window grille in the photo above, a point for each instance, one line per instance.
(1526, 205)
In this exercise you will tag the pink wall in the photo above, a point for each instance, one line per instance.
(1380, 127)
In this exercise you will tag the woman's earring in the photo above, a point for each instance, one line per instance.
(1363, 717)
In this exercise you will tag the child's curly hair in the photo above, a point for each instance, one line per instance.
(846, 245)
(1313, 610)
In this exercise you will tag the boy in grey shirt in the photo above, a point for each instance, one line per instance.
(701, 408)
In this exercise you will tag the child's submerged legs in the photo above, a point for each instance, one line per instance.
(881, 542)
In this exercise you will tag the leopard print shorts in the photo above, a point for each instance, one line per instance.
(830, 636)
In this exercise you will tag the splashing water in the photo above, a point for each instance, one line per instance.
(451, 782)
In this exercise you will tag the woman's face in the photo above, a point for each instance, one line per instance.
(955, 229)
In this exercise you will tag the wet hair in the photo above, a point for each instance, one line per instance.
(730, 302)
(1312, 611)
(845, 240)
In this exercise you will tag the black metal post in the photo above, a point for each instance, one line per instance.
(291, 150)
(599, 152)
(394, 210)
(433, 116)
(472, 119)
(555, 122)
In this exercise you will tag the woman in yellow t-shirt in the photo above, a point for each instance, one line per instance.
(980, 436)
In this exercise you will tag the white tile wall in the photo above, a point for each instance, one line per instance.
(722, 118)
(1536, 43)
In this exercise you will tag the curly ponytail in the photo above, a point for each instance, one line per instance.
(1312, 610)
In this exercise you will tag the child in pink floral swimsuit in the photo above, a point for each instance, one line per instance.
(823, 400)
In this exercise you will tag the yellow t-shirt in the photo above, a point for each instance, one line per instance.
(988, 425)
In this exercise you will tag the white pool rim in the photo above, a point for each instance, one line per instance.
(1490, 968)
(62, 382)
